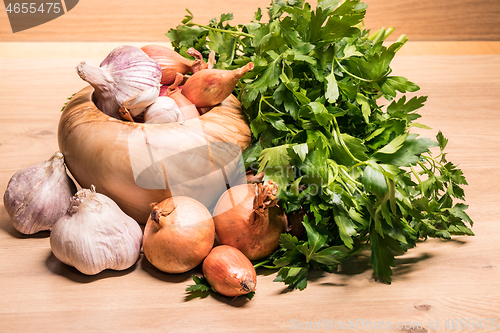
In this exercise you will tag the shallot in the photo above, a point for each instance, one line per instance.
(172, 62)
(229, 272)
(209, 87)
(187, 108)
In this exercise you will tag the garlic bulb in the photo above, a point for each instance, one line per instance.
(126, 72)
(37, 196)
(164, 110)
(95, 234)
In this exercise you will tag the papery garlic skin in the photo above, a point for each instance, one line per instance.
(126, 72)
(95, 235)
(164, 110)
(138, 103)
(37, 196)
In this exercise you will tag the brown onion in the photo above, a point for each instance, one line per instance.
(172, 62)
(248, 218)
(179, 234)
(229, 272)
(187, 108)
(209, 87)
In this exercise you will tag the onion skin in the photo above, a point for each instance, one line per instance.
(229, 272)
(179, 234)
(209, 87)
(98, 149)
(243, 222)
(188, 109)
(172, 62)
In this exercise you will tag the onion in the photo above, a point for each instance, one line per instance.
(179, 234)
(229, 272)
(209, 87)
(247, 217)
(188, 109)
(163, 90)
(114, 155)
(172, 62)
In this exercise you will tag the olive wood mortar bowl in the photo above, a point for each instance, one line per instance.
(139, 164)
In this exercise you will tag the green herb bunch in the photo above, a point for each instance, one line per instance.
(350, 163)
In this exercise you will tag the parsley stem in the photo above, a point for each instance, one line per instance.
(432, 160)
(263, 99)
(332, 164)
(346, 187)
(238, 33)
(262, 263)
(358, 164)
(346, 172)
(338, 136)
(415, 173)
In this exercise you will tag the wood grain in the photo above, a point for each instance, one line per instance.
(436, 281)
(114, 20)
(437, 20)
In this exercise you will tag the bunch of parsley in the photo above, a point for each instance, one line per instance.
(318, 131)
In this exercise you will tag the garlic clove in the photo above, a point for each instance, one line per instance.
(95, 234)
(103, 83)
(137, 103)
(164, 110)
(211, 60)
(37, 196)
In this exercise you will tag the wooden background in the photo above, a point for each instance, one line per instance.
(118, 20)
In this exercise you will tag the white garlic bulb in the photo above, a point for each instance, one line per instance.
(126, 73)
(37, 196)
(95, 235)
(164, 110)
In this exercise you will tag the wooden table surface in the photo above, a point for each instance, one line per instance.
(433, 283)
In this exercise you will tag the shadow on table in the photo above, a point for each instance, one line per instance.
(237, 302)
(360, 265)
(7, 226)
(71, 273)
(166, 277)
(186, 278)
